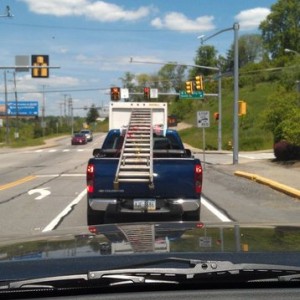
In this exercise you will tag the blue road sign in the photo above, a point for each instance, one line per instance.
(20, 108)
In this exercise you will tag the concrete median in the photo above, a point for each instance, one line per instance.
(271, 183)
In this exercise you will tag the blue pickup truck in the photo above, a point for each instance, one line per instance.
(176, 189)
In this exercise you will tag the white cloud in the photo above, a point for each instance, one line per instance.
(95, 10)
(251, 18)
(179, 22)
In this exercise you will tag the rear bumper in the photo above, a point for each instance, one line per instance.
(169, 206)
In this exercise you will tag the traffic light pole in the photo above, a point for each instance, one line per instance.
(219, 88)
(235, 28)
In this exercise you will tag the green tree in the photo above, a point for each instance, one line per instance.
(282, 116)
(250, 51)
(128, 80)
(206, 56)
(290, 128)
(172, 77)
(281, 28)
(92, 115)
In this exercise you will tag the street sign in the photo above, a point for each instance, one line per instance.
(124, 93)
(22, 63)
(194, 95)
(25, 108)
(153, 93)
(203, 119)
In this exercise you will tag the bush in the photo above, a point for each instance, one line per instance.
(285, 151)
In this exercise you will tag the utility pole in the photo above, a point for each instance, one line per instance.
(235, 28)
(6, 111)
(43, 111)
(17, 108)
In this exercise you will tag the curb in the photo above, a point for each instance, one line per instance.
(271, 183)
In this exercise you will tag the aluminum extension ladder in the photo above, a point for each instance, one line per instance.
(141, 238)
(136, 158)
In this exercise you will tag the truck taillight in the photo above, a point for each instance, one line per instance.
(198, 178)
(90, 178)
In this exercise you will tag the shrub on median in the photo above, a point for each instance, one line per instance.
(284, 151)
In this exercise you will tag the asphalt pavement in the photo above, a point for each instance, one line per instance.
(281, 176)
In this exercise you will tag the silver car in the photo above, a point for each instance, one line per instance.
(88, 134)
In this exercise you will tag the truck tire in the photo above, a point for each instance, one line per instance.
(191, 215)
(94, 217)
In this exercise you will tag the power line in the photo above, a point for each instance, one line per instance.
(84, 28)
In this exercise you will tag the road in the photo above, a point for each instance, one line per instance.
(44, 189)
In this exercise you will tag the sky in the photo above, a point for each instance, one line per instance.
(92, 42)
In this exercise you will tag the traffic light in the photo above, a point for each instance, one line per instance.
(146, 93)
(216, 116)
(242, 108)
(199, 83)
(115, 94)
(42, 62)
(189, 87)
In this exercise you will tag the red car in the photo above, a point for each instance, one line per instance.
(79, 139)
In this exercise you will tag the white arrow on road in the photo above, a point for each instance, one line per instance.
(43, 193)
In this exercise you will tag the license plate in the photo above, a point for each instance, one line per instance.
(144, 205)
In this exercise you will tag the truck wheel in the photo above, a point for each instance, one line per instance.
(94, 217)
(191, 215)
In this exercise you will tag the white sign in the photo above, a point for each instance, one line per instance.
(153, 93)
(205, 241)
(124, 94)
(203, 119)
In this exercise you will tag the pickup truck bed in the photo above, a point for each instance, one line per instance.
(177, 182)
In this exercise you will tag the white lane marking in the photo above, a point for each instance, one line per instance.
(62, 214)
(66, 150)
(42, 193)
(47, 175)
(53, 150)
(214, 210)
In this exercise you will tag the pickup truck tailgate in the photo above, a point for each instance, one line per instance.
(173, 178)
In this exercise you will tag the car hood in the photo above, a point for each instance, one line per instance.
(165, 237)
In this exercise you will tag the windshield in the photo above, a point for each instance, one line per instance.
(119, 118)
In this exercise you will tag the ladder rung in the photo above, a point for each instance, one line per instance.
(133, 167)
(136, 150)
(133, 174)
(137, 155)
(133, 180)
(136, 160)
(138, 144)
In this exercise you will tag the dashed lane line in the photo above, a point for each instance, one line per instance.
(214, 210)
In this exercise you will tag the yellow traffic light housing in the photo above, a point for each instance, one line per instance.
(115, 94)
(199, 83)
(189, 87)
(41, 62)
(242, 108)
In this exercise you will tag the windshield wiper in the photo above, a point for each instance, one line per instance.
(197, 271)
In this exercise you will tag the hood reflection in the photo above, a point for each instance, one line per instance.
(183, 237)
